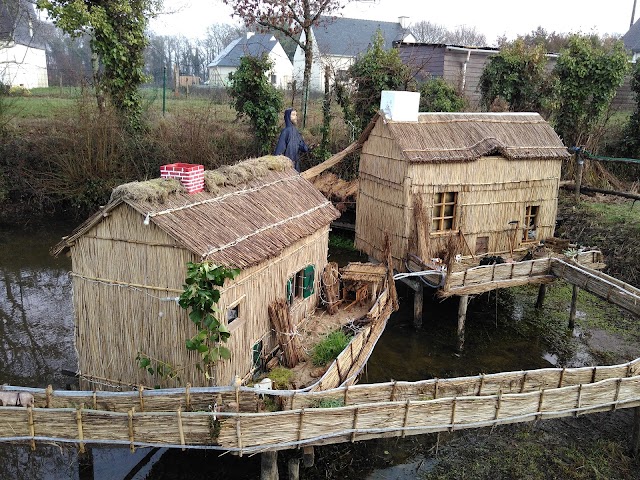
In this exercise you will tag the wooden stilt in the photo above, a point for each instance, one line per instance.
(294, 468)
(635, 438)
(269, 465)
(418, 302)
(462, 317)
(542, 291)
(308, 457)
(572, 311)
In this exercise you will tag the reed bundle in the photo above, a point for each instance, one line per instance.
(331, 287)
(285, 332)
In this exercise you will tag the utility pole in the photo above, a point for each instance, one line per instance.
(633, 13)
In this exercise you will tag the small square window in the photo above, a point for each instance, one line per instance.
(444, 211)
(530, 228)
(233, 314)
(301, 284)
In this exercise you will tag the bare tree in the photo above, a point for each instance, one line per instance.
(428, 32)
(294, 18)
(467, 36)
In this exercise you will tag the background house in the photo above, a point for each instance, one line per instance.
(486, 181)
(256, 45)
(631, 40)
(337, 42)
(130, 260)
(23, 60)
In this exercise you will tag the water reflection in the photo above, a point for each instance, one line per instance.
(36, 321)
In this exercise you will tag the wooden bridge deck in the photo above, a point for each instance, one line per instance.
(158, 417)
(604, 286)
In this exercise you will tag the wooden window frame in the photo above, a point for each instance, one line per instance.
(531, 218)
(239, 320)
(301, 285)
(441, 204)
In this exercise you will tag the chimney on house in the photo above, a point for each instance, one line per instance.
(400, 106)
(404, 22)
(191, 176)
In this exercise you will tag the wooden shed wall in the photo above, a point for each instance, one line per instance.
(126, 278)
(454, 61)
(425, 61)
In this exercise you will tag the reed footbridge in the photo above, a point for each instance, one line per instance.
(246, 420)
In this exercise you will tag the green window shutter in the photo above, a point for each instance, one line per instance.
(308, 281)
(290, 291)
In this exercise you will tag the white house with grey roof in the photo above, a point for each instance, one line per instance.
(255, 45)
(631, 40)
(23, 60)
(338, 42)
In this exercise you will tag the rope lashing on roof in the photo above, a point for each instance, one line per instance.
(602, 158)
(265, 228)
(217, 199)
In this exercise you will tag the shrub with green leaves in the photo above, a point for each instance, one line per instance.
(252, 95)
(587, 73)
(437, 95)
(330, 347)
(516, 74)
(281, 377)
(201, 296)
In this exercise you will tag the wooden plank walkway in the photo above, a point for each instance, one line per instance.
(604, 286)
(368, 411)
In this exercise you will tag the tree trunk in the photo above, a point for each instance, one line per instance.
(308, 62)
(97, 82)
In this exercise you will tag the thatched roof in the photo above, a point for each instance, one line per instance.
(258, 208)
(443, 137)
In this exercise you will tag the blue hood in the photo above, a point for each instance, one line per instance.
(287, 117)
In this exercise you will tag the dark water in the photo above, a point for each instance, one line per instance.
(36, 344)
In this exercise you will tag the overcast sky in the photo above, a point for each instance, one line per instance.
(491, 17)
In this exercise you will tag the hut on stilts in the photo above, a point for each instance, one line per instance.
(129, 265)
(458, 190)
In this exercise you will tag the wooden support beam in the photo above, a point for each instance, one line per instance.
(572, 311)
(269, 465)
(462, 317)
(294, 468)
(635, 438)
(542, 291)
(418, 302)
(308, 457)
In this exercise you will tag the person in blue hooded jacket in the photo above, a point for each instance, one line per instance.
(290, 143)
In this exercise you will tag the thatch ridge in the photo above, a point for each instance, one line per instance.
(258, 207)
(465, 137)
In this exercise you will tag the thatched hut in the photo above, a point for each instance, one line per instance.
(129, 265)
(461, 183)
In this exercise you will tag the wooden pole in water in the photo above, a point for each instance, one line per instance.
(635, 438)
(418, 302)
(572, 311)
(462, 317)
(579, 170)
(308, 457)
(542, 291)
(269, 465)
(294, 468)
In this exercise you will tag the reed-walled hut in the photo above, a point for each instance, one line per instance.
(477, 183)
(129, 263)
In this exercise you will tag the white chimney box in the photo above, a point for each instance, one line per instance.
(400, 106)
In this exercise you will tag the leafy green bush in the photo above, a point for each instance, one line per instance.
(254, 96)
(437, 95)
(281, 377)
(330, 347)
